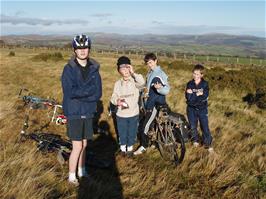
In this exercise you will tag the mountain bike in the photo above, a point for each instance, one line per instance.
(169, 133)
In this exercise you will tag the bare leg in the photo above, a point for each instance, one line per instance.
(82, 156)
(74, 156)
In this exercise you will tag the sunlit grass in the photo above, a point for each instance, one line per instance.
(235, 170)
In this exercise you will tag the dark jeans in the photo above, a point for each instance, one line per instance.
(127, 129)
(201, 115)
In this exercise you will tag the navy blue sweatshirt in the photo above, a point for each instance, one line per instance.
(194, 101)
(80, 95)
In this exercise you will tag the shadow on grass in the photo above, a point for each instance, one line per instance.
(103, 181)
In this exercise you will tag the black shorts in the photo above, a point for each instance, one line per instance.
(79, 129)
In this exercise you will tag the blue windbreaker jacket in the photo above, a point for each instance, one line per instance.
(80, 96)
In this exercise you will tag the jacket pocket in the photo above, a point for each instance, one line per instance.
(73, 107)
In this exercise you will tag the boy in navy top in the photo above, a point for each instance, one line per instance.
(82, 89)
(197, 93)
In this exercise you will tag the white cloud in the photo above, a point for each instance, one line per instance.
(36, 21)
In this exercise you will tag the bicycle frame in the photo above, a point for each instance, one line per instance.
(35, 102)
(167, 134)
(59, 119)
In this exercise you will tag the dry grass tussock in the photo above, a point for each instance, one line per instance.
(235, 170)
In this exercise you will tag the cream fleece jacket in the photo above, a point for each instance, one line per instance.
(129, 91)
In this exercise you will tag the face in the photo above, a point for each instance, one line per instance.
(151, 63)
(82, 53)
(197, 75)
(124, 71)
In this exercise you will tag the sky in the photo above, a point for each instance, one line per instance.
(133, 17)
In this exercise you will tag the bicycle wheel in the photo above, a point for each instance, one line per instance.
(171, 144)
(181, 147)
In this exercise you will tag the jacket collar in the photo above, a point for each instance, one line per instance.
(94, 66)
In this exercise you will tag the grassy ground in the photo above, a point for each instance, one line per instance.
(235, 170)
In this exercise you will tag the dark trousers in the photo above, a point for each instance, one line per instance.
(127, 129)
(145, 126)
(201, 116)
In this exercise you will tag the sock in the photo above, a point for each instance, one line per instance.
(130, 148)
(123, 148)
(72, 176)
(81, 171)
(142, 148)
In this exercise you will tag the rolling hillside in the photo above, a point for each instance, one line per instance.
(215, 44)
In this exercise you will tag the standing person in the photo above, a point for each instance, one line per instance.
(82, 88)
(125, 96)
(197, 93)
(157, 88)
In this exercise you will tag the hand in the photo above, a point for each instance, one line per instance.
(119, 102)
(199, 93)
(189, 91)
(158, 85)
(131, 70)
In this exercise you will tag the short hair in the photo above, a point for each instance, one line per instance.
(198, 67)
(149, 56)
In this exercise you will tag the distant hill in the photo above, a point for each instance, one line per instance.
(199, 44)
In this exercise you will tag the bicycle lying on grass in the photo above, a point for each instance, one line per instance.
(53, 143)
(32, 102)
(48, 143)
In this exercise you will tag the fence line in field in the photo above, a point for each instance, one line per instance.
(188, 56)
(172, 55)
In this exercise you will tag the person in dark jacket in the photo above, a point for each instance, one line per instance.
(197, 93)
(157, 88)
(82, 88)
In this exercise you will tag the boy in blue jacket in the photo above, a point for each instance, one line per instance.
(82, 88)
(197, 93)
(157, 88)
